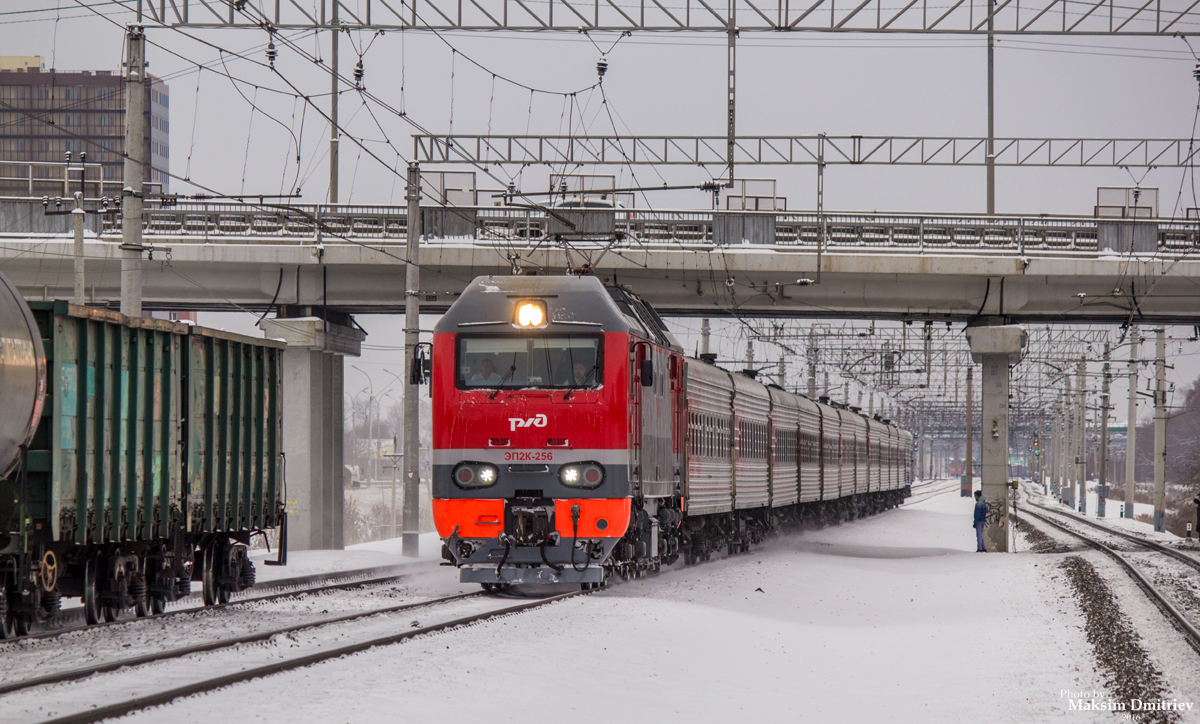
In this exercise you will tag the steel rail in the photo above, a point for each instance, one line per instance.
(84, 672)
(163, 697)
(1157, 597)
(1182, 557)
(267, 586)
(925, 495)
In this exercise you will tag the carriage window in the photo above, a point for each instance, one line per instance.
(513, 362)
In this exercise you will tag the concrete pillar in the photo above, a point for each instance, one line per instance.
(995, 347)
(312, 427)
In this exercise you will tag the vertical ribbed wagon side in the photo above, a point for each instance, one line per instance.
(112, 426)
(234, 432)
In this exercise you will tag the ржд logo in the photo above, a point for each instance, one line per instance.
(536, 421)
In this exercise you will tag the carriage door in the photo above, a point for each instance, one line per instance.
(656, 465)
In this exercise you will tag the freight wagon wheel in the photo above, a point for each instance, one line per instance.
(22, 624)
(158, 605)
(208, 577)
(91, 600)
(8, 620)
(141, 597)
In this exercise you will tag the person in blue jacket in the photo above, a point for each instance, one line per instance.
(980, 519)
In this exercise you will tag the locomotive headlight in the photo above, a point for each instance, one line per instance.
(531, 313)
(475, 475)
(582, 475)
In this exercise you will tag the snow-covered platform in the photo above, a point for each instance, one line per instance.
(378, 554)
(892, 618)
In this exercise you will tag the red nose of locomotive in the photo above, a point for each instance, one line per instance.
(531, 456)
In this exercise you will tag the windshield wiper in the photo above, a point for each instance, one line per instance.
(511, 369)
(579, 385)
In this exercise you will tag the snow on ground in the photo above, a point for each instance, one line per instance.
(364, 555)
(893, 618)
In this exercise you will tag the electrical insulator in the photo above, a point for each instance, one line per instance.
(1196, 72)
(272, 54)
(601, 67)
(358, 73)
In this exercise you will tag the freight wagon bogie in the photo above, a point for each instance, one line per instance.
(574, 442)
(142, 420)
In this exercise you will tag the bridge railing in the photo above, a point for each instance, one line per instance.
(832, 232)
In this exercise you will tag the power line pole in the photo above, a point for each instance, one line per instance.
(412, 329)
(731, 128)
(812, 364)
(134, 171)
(1102, 467)
(1131, 421)
(1069, 445)
(1160, 430)
(1081, 436)
(991, 111)
(333, 107)
(964, 488)
(78, 215)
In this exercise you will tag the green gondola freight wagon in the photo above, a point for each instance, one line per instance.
(139, 455)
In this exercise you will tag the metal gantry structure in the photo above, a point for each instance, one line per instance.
(710, 151)
(1040, 17)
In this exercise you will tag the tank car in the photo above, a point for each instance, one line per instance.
(573, 440)
(139, 454)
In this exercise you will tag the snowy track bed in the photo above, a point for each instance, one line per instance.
(135, 687)
(142, 637)
(1156, 650)
(1170, 578)
(891, 618)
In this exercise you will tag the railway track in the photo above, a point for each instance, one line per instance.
(70, 621)
(192, 685)
(1161, 599)
(1180, 556)
(932, 489)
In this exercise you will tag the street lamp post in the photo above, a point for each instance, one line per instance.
(372, 460)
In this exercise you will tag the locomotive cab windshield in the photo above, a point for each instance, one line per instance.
(522, 361)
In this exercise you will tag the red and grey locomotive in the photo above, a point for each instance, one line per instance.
(574, 440)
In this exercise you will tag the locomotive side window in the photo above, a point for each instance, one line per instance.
(530, 361)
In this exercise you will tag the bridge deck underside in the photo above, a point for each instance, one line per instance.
(748, 280)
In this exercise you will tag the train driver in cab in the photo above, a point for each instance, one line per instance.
(486, 373)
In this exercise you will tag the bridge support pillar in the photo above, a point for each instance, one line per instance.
(995, 346)
(312, 429)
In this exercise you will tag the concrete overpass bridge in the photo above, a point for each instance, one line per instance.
(698, 263)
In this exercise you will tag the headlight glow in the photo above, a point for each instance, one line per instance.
(475, 475)
(531, 314)
(582, 475)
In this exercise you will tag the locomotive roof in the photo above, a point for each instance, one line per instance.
(574, 304)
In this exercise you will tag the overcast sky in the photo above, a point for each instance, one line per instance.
(655, 84)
